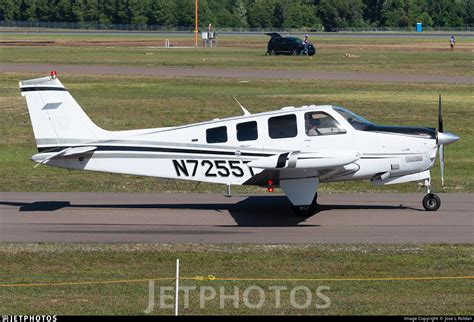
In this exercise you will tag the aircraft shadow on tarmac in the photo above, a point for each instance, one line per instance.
(253, 211)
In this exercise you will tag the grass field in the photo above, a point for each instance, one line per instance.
(56, 263)
(118, 102)
(401, 55)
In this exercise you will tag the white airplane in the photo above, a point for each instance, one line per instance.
(295, 149)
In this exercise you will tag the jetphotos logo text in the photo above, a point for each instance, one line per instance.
(251, 297)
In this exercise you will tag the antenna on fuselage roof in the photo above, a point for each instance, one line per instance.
(246, 112)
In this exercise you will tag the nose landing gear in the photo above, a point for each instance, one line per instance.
(431, 202)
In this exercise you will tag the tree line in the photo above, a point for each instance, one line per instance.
(326, 15)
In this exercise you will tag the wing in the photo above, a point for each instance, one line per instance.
(306, 160)
(297, 173)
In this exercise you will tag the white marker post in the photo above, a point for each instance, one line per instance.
(177, 288)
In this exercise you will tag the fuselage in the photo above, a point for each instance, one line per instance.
(220, 150)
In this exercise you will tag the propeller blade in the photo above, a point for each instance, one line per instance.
(441, 163)
(440, 115)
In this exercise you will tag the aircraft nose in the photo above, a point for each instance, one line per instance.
(447, 138)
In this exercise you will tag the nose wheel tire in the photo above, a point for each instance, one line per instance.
(306, 210)
(431, 202)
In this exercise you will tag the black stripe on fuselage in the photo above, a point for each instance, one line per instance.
(282, 160)
(44, 88)
(151, 149)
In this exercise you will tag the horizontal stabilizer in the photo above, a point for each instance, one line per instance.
(41, 159)
(79, 150)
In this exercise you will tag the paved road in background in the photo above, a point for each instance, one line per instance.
(44, 69)
(211, 218)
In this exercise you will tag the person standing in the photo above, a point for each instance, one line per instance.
(305, 44)
(452, 42)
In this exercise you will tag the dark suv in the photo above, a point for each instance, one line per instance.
(287, 45)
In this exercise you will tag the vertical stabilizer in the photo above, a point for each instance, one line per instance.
(56, 117)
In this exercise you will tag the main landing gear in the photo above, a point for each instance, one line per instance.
(307, 210)
(431, 202)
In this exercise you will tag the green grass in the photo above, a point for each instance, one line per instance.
(120, 102)
(401, 55)
(57, 263)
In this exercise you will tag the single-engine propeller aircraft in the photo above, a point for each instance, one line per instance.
(295, 149)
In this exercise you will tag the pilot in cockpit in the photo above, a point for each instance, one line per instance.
(312, 127)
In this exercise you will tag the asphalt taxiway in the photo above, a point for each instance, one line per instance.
(244, 74)
(211, 218)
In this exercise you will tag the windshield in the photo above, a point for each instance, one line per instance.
(357, 121)
(361, 124)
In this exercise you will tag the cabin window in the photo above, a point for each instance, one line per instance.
(280, 127)
(216, 135)
(247, 131)
(320, 123)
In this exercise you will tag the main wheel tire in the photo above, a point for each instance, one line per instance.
(431, 202)
(306, 210)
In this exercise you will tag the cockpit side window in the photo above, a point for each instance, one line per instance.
(320, 123)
